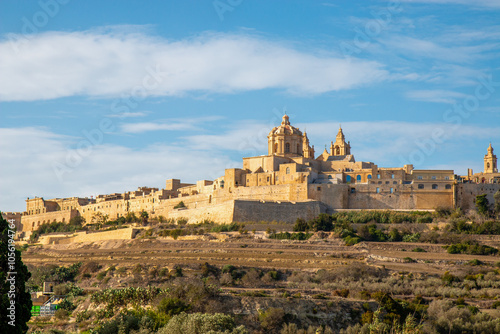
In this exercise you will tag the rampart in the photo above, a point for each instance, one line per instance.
(84, 236)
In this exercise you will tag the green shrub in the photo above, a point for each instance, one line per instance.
(101, 275)
(300, 225)
(272, 319)
(172, 306)
(290, 236)
(472, 248)
(201, 323)
(180, 205)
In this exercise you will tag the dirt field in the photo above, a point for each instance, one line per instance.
(247, 251)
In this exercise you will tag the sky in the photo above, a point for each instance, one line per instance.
(100, 97)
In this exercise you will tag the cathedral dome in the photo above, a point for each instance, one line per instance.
(285, 128)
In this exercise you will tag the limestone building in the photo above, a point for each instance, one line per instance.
(490, 174)
(289, 182)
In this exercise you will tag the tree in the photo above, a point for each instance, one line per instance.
(482, 204)
(100, 219)
(144, 216)
(300, 225)
(15, 302)
(497, 201)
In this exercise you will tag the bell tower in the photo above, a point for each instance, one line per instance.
(490, 161)
(340, 147)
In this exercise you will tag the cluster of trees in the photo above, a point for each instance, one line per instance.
(484, 207)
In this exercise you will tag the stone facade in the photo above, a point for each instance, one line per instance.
(287, 183)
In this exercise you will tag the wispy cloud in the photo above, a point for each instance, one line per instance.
(437, 96)
(130, 114)
(175, 124)
(108, 64)
(476, 3)
(418, 48)
(148, 126)
(32, 153)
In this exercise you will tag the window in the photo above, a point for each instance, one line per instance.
(369, 177)
(433, 177)
(287, 148)
(395, 182)
(379, 182)
(298, 148)
(448, 186)
(446, 177)
(386, 182)
(353, 190)
(319, 188)
(434, 186)
(392, 176)
(419, 177)
(288, 170)
(348, 178)
(268, 179)
(392, 190)
(378, 176)
(420, 186)
(358, 178)
(276, 148)
(329, 177)
(378, 190)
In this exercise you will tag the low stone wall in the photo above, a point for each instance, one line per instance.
(119, 234)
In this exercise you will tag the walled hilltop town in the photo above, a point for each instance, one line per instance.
(290, 182)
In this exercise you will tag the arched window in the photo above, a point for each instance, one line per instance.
(287, 148)
(338, 150)
(329, 176)
(378, 176)
(369, 176)
(276, 148)
(288, 170)
(358, 178)
(488, 165)
(434, 186)
(348, 178)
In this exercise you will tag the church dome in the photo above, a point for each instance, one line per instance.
(285, 128)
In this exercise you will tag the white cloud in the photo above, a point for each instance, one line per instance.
(129, 114)
(149, 126)
(168, 125)
(437, 96)
(475, 3)
(423, 48)
(30, 156)
(109, 64)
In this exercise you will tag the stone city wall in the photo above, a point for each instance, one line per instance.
(276, 211)
(467, 192)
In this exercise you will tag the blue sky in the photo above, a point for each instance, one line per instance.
(106, 96)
